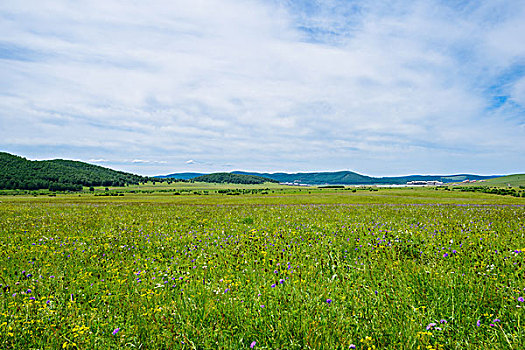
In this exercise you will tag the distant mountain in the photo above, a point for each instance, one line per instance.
(317, 178)
(58, 174)
(352, 178)
(233, 178)
(347, 178)
(180, 176)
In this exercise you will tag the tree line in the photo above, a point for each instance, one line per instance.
(59, 175)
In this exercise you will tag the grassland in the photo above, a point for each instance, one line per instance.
(512, 180)
(293, 268)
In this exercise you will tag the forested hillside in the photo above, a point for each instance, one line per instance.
(352, 178)
(58, 175)
(233, 178)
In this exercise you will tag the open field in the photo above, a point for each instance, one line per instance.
(293, 268)
(182, 193)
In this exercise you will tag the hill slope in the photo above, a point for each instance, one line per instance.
(342, 178)
(352, 178)
(58, 175)
(232, 178)
(180, 176)
(512, 180)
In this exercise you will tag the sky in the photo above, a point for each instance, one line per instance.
(157, 87)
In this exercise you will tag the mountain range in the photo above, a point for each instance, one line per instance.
(342, 178)
(20, 173)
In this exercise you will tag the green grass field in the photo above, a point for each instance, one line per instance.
(294, 268)
(512, 180)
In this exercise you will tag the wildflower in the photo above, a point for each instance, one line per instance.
(262, 306)
(29, 291)
(445, 255)
(329, 301)
(352, 346)
(443, 321)
(478, 323)
(252, 345)
(281, 281)
(431, 325)
(273, 285)
(116, 331)
(497, 320)
(521, 300)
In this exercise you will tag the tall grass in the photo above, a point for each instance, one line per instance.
(277, 277)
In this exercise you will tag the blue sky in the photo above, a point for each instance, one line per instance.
(377, 87)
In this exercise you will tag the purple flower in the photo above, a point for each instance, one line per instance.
(431, 325)
(443, 321)
(262, 306)
(273, 285)
(497, 320)
(352, 346)
(29, 291)
(445, 255)
(454, 251)
(116, 331)
(281, 281)
(329, 301)
(521, 300)
(252, 345)
(492, 325)
(478, 323)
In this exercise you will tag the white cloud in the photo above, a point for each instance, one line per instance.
(405, 87)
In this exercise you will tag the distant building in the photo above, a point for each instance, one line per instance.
(424, 183)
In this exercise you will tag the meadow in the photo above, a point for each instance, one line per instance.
(289, 269)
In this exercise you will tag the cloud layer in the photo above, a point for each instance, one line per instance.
(382, 89)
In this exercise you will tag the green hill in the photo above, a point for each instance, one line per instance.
(58, 175)
(233, 178)
(352, 178)
(512, 180)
